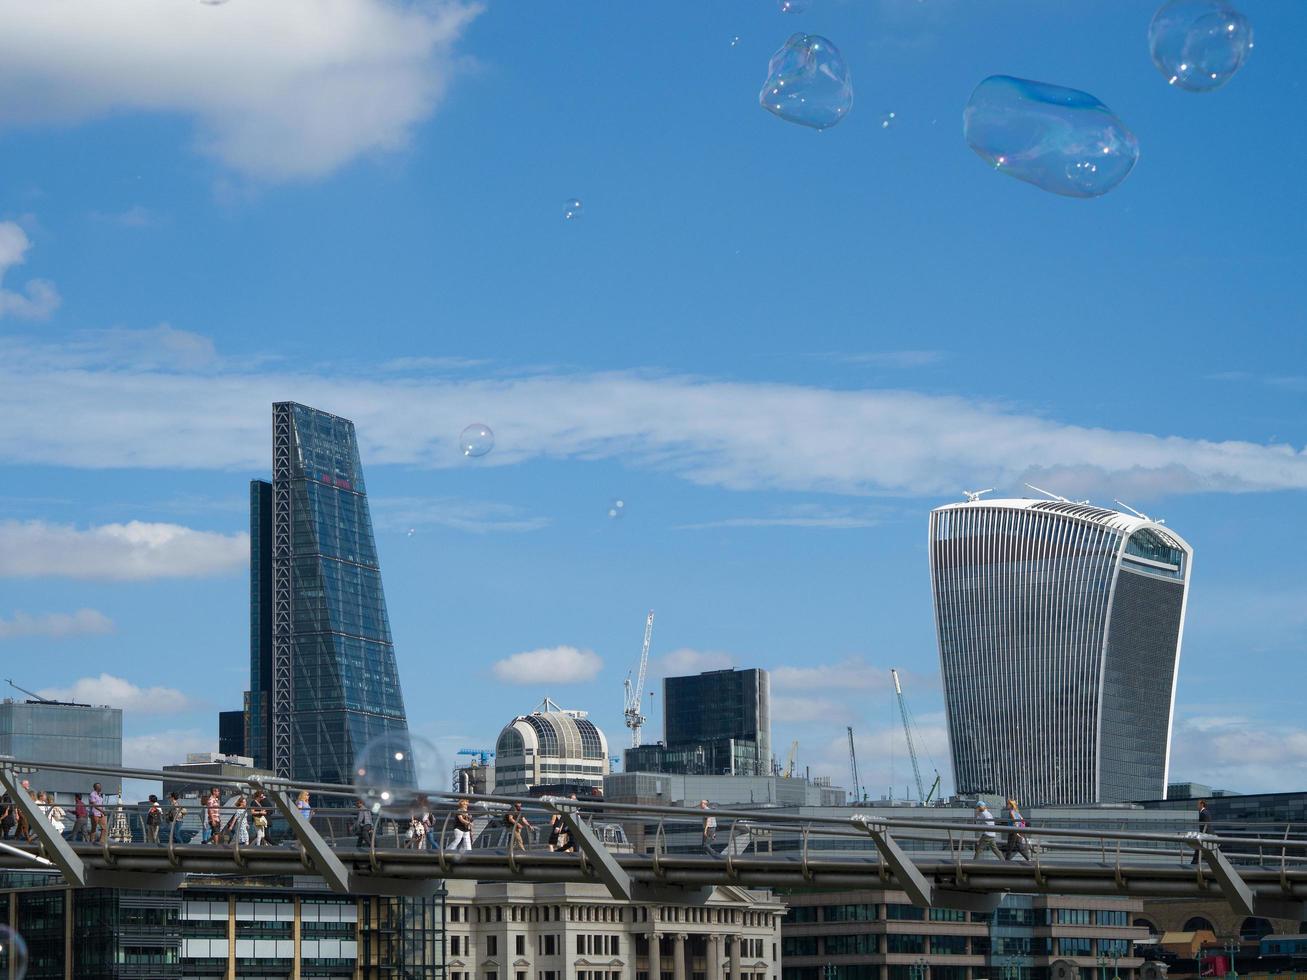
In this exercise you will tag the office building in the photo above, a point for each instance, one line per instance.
(231, 733)
(1059, 629)
(64, 732)
(713, 723)
(877, 934)
(323, 679)
(551, 747)
(193, 774)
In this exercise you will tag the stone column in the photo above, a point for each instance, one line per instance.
(655, 956)
(678, 957)
(735, 958)
(713, 956)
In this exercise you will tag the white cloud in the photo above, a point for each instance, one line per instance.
(811, 516)
(729, 434)
(688, 661)
(165, 748)
(136, 216)
(549, 665)
(79, 623)
(788, 709)
(40, 298)
(476, 516)
(119, 693)
(886, 359)
(289, 89)
(851, 674)
(117, 552)
(1238, 753)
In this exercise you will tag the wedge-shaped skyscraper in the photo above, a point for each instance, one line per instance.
(1059, 630)
(323, 680)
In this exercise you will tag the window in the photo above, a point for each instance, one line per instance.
(847, 945)
(1111, 918)
(947, 915)
(849, 913)
(1075, 946)
(521, 948)
(801, 913)
(909, 913)
(948, 945)
(492, 946)
(901, 943)
(1073, 917)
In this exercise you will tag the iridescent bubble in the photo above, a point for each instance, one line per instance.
(572, 210)
(13, 954)
(394, 769)
(886, 120)
(735, 41)
(808, 83)
(617, 508)
(1198, 45)
(1059, 139)
(793, 6)
(476, 440)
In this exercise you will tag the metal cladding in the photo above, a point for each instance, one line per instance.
(1059, 628)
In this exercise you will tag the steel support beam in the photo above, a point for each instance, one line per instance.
(610, 872)
(1234, 888)
(909, 876)
(324, 859)
(58, 849)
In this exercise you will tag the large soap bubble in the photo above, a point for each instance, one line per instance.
(476, 440)
(1198, 45)
(13, 954)
(808, 83)
(392, 772)
(1059, 139)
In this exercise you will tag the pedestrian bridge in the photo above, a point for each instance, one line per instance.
(930, 855)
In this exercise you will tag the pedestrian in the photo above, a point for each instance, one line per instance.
(259, 817)
(239, 825)
(709, 828)
(153, 820)
(567, 839)
(555, 830)
(302, 804)
(8, 821)
(1016, 843)
(517, 820)
(212, 817)
(55, 814)
(79, 817)
(1204, 826)
(462, 828)
(986, 840)
(363, 827)
(98, 823)
(174, 815)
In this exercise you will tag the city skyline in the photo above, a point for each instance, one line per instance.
(779, 348)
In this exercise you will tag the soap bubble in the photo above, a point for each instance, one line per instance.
(617, 508)
(476, 440)
(1059, 139)
(392, 771)
(13, 954)
(735, 41)
(793, 6)
(808, 83)
(572, 210)
(1198, 45)
(886, 120)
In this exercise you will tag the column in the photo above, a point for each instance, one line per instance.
(678, 956)
(655, 956)
(231, 933)
(735, 957)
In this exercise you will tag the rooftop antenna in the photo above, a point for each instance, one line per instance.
(1049, 494)
(10, 682)
(1137, 513)
(974, 495)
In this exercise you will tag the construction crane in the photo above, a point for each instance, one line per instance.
(10, 682)
(635, 692)
(480, 757)
(853, 764)
(789, 768)
(922, 795)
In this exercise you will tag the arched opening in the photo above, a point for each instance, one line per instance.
(1147, 924)
(1254, 928)
(1197, 924)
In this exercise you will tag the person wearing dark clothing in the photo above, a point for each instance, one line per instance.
(363, 827)
(1016, 842)
(1204, 826)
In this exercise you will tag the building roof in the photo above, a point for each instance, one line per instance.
(1076, 510)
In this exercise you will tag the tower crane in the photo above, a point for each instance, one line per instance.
(912, 749)
(634, 692)
(789, 768)
(853, 765)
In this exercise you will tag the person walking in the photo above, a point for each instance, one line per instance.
(79, 817)
(987, 839)
(1204, 826)
(55, 814)
(259, 817)
(517, 820)
(1016, 843)
(212, 817)
(363, 827)
(462, 828)
(99, 825)
(302, 805)
(174, 815)
(8, 821)
(709, 828)
(239, 825)
(153, 820)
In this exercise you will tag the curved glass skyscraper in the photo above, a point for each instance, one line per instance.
(1059, 630)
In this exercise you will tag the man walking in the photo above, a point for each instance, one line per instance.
(987, 839)
(80, 814)
(517, 820)
(362, 825)
(1204, 826)
(709, 828)
(98, 822)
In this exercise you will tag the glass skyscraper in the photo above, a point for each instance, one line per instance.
(323, 680)
(1059, 629)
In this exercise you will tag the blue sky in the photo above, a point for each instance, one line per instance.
(779, 347)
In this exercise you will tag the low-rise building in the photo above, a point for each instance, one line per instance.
(554, 747)
(67, 733)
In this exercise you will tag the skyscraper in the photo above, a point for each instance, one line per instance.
(323, 680)
(1059, 630)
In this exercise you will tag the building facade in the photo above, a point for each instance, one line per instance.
(323, 678)
(714, 723)
(56, 731)
(879, 935)
(552, 747)
(1059, 629)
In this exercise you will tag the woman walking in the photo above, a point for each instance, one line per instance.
(240, 822)
(462, 828)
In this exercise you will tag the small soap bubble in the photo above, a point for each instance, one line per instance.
(617, 508)
(1059, 139)
(13, 954)
(808, 83)
(793, 6)
(572, 210)
(1198, 45)
(886, 120)
(412, 531)
(476, 440)
(393, 772)
(735, 41)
